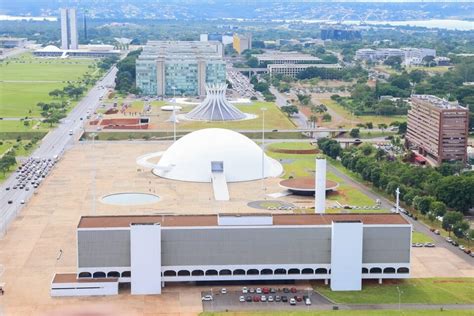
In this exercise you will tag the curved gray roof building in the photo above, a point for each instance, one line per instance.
(215, 107)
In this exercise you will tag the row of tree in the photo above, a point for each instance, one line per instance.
(7, 161)
(126, 75)
(432, 191)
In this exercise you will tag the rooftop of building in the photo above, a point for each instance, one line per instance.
(286, 55)
(437, 101)
(181, 50)
(213, 219)
(289, 66)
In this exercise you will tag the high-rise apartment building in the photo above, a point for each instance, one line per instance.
(167, 68)
(437, 128)
(68, 29)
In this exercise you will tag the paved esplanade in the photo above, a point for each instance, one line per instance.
(54, 143)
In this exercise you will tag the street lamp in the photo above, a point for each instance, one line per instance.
(398, 200)
(174, 113)
(399, 298)
(263, 149)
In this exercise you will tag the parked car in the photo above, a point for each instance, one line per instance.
(461, 247)
(248, 298)
(293, 290)
(448, 239)
(266, 290)
(251, 290)
(245, 290)
(436, 232)
(278, 298)
(455, 244)
(256, 298)
(272, 290)
(270, 298)
(224, 290)
(207, 298)
(263, 298)
(307, 301)
(292, 301)
(468, 251)
(241, 299)
(286, 290)
(284, 299)
(258, 290)
(298, 298)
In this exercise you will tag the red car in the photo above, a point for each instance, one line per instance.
(266, 290)
(256, 298)
(298, 298)
(293, 290)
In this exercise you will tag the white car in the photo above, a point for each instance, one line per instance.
(263, 298)
(245, 290)
(258, 290)
(241, 299)
(224, 291)
(207, 298)
(308, 301)
(22, 202)
(292, 301)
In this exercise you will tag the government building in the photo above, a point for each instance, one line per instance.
(150, 251)
(184, 68)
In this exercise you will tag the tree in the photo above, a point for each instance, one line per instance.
(290, 109)
(355, 133)
(382, 126)
(402, 128)
(438, 208)
(461, 228)
(423, 203)
(8, 160)
(327, 117)
(456, 192)
(56, 93)
(394, 61)
(450, 219)
(369, 125)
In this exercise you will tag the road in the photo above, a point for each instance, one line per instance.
(300, 119)
(53, 144)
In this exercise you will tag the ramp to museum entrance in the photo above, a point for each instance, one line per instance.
(219, 183)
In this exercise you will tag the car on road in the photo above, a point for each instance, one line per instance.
(7, 188)
(207, 298)
(22, 202)
(70, 132)
(10, 201)
(292, 301)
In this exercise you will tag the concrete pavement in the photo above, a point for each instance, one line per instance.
(52, 145)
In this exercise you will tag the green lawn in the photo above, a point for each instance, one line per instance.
(292, 145)
(19, 126)
(304, 165)
(418, 237)
(345, 313)
(33, 79)
(375, 119)
(426, 291)
(274, 119)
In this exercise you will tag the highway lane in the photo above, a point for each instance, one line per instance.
(54, 144)
(300, 119)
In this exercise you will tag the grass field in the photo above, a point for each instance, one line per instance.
(295, 145)
(346, 313)
(375, 119)
(19, 126)
(423, 291)
(418, 237)
(274, 119)
(304, 166)
(26, 80)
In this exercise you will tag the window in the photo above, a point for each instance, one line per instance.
(375, 270)
(280, 271)
(294, 271)
(197, 273)
(184, 273)
(211, 272)
(266, 271)
(169, 273)
(307, 271)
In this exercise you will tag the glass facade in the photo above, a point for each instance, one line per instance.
(188, 66)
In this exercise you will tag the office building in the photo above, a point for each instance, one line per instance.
(69, 29)
(409, 56)
(340, 34)
(12, 42)
(437, 129)
(150, 251)
(85, 51)
(292, 70)
(242, 42)
(168, 68)
(224, 38)
(286, 58)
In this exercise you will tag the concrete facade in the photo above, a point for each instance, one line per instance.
(69, 37)
(255, 247)
(437, 128)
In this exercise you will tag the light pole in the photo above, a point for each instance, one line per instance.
(93, 135)
(263, 150)
(397, 207)
(399, 298)
(174, 113)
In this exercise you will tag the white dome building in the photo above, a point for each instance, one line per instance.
(197, 155)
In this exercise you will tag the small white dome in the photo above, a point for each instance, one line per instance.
(190, 158)
(51, 48)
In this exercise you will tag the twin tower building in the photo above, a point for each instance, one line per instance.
(69, 37)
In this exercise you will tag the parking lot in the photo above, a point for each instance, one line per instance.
(277, 299)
